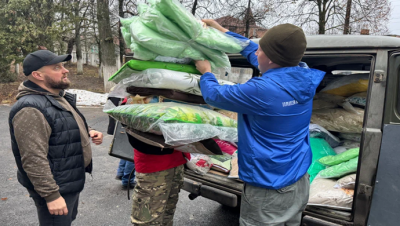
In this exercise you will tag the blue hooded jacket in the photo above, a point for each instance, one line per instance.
(274, 113)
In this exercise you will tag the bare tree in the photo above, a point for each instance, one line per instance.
(329, 16)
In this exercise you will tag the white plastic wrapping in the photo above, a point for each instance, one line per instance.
(348, 182)
(167, 79)
(182, 133)
(199, 163)
(323, 193)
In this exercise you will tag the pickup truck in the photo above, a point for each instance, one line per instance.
(377, 190)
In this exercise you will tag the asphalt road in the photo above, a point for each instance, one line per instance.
(102, 202)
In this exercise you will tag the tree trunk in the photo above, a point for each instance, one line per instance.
(248, 20)
(346, 29)
(321, 23)
(70, 47)
(79, 65)
(194, 7)
(121, 38)
(108, 55)
(79, 60)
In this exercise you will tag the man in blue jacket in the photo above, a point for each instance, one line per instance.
(274, 113)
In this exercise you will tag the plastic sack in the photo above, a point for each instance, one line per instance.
(340, 149)
(161, 44)
(127, 36)
(178, 123)
(323, 193)
(346, 145)
(319, 148)
(166, 79)
(234, 173)
(208, 37)
(221, 163)
(199, 163)
(351, 136)
(185, 133)
(339, 120)
(134, 66)
(342, 157)
(156, 21)
(350, 144)
(140, 52)
(359, 99)
(318, 131)
(348, 182)
(119, 91)
(348, 85)
(340, 170)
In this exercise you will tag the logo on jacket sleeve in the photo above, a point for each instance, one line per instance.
(289, 103)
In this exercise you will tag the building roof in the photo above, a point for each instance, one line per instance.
(349, 41)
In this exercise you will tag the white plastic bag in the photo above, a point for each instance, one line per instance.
(199, 163)
(323, 193)
(348, 182)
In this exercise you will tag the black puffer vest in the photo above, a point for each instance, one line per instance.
(65, 149)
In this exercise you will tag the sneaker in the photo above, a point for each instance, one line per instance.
(131, 186)
(118, 177)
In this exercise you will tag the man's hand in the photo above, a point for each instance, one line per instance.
(58, 207)
(214, 24)
(203, 66)
(96, 136)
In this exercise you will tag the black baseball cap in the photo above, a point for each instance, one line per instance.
(38, 59)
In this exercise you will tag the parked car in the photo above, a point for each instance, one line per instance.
(377, 190)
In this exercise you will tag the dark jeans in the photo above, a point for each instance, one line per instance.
(46, 219)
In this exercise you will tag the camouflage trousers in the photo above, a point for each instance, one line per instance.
(155, 197)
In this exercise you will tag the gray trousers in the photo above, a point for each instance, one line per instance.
(282, 207)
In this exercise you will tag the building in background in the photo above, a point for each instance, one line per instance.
(239, 26)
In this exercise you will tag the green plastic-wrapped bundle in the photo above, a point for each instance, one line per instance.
(319, 148)
(156, 21)
(160, 44)
(208, 37)
(126, 35)
(342, 157)
(178, 123)
(341, 169)
(145, 117)
(142, 53)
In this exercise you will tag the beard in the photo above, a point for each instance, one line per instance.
(51, 83)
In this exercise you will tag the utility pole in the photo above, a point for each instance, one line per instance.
(346, 29)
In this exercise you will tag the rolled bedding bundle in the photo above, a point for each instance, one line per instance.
(178, 123)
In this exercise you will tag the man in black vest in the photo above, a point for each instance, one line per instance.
(50, 139)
